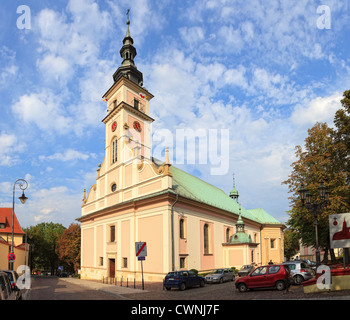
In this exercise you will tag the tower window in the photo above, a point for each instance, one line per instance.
(114, 151)
(136, 104)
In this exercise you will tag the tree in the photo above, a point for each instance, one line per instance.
(68, 247)
(342, 135)
(291, 243)
(43, 240)
(316, 163)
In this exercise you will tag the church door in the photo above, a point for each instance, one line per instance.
(112, 268)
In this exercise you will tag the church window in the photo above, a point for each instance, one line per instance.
(112, 233)
(125, 262)
(114, 151)
(182, 228)
(114, 187)
(272, 243)
(182, 262)
(206, 238)
(227, 234)
(136, 104)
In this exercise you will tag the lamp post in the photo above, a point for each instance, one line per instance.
(22, 185)
(315, 207)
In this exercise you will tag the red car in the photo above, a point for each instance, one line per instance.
(270, 276)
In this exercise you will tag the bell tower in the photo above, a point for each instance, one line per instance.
(128, 134)
(128, 52)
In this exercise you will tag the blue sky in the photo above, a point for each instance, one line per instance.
(266, 71)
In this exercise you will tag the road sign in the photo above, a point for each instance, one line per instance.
(339, 230)
(141, 249)
(141, 258)
(11, 256)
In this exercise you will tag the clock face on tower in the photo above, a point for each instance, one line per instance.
(114, 126)
(137, 126)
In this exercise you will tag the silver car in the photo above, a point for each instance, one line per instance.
(6, 291)
(220, 276)
(300, 271)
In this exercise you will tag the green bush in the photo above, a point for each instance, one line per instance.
(194, 270)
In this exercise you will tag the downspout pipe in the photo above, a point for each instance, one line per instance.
(172, 235)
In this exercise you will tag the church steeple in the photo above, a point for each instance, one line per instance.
(234, 193)
(128, 52)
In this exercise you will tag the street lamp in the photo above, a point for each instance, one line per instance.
(315, 207)
(23, 185)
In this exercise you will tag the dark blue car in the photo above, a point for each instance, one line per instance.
(182, 280)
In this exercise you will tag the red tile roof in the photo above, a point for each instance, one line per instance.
(6, 218)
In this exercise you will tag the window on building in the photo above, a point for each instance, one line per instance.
(136, 104)
(227, 234)
(114, 151)
(272, 243)
(112, 233)
(101, 261)
(182, 262)
(2, 225)
(125, 262)
(114, 187)
(182, 228)
(206, 238)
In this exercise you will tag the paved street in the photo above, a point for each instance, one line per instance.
(53, 288)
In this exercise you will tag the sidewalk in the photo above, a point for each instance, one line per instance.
(107, 288)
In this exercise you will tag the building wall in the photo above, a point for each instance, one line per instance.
(272, 234)
(148, 224)
(20, 253)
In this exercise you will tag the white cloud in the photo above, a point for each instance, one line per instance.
(68, 155)
(56, 204)
(43, 109)
(8, 67)
(9, 146)
(319, 109)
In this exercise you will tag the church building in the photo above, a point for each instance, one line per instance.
(186, 222)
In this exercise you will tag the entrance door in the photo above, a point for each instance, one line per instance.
(112, 268)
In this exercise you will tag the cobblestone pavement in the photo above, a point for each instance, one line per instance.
(225, 291)
(75, 289)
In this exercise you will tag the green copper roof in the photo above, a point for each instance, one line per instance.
(191, 187)
(240, 237)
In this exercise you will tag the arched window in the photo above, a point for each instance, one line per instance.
(114, 151)
(206, 238)
(182, 228)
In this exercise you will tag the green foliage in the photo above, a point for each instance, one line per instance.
(291, 243)
(43, 241)
(324, 157)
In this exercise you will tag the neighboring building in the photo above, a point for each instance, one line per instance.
(6, 240)
(186, 222)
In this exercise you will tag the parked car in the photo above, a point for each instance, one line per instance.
(220, 275)
(270, 276)
(300, 271)
(6, 291)
(182, 280)
(13, 276)
(245, 270)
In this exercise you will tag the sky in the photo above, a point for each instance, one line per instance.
(249, 77)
